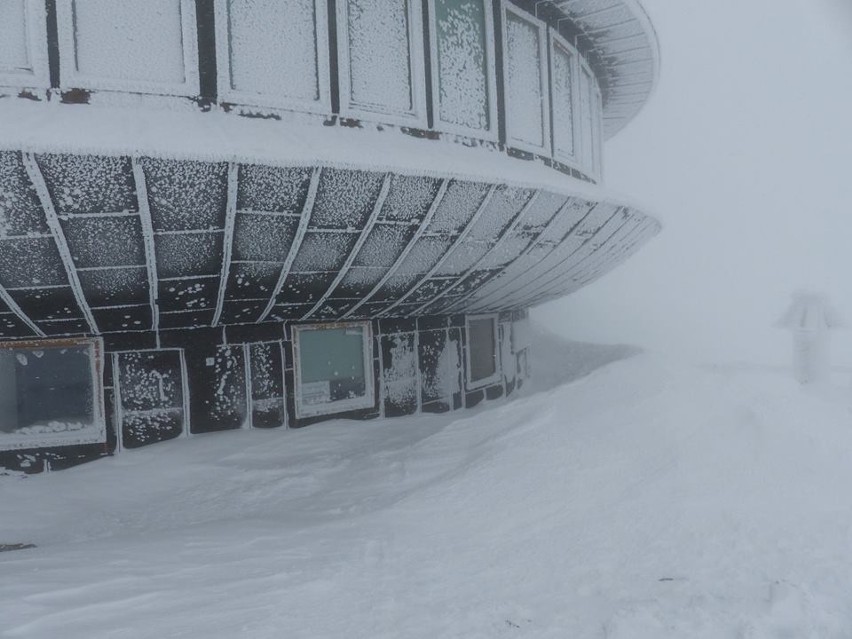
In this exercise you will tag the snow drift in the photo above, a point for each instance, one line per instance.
(648, 498)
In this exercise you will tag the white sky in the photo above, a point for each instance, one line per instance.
(745, 153)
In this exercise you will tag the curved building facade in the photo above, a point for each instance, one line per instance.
(221, 214)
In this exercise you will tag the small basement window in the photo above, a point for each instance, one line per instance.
(50, 394)
(482, 362)
(333, 369)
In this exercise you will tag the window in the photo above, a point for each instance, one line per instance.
(527, 109)
(334, 369)
(128, 45)
(23, 44)
(381, 71)
(273, 53)
(482, 354)
(588, 117)
(50, 394)
(463, 66)
(563, 63)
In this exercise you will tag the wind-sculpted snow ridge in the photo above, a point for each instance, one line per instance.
(647, 499)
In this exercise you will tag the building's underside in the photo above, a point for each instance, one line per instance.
(100, 245)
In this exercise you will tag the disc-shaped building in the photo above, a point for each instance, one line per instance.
(220, 214)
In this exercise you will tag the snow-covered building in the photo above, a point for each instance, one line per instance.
(220, 214)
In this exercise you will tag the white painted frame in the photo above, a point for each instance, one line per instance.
(497, 377)
(70, 76)
(37, 74)
(557, 41)
(348, 108)
(490, 134)
(96, 434)
(223, 66)
(544, 78)
(343, 405)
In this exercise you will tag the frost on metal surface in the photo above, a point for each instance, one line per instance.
(151, 391)
(272, 48)
(267, 385)
(145, 240)
(14, 45)
(463, 64)
(185, 195)
(23, 44)
(124, 43)
(441, 366)
(562, 91)
(219, 398)
(20, 210)
(399, 373)
(272, 189)
(380, 65)
(525, 94)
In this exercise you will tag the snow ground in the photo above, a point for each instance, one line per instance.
(646, 498)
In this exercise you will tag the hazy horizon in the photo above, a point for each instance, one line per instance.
(742, 153)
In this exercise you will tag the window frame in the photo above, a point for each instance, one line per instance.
(96, 352)
(71, 77)
(557, 40)
(497, 376)
(341, 405)
(223, 66)
(544, 78)
(37, 75)
(349, 108)
(492, 133)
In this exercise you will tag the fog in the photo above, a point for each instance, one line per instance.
(743, 152)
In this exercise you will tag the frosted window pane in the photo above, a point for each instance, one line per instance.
(483, 348)
(46, 397)
(129, 40)
(331, 365)
(14, 55)
(586, 115)
(273, 48)
(563, 109)
(379, 56)
(524, 91)
(462, 63)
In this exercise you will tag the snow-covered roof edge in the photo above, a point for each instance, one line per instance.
(626, 56)
(76, 129)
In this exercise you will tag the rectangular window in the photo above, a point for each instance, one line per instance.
(273, 53)
(380, 44)
(23, 44)
(463, 76)
(128, 45)
(334, 369)
(527, 109)
(51, 394)
(482, 354)
(587, 119)
(562, 72)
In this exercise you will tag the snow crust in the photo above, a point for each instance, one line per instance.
(45, 128)
(645, 499)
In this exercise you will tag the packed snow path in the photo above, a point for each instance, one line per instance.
(649, 499)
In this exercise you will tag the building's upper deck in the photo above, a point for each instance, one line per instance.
(535, 79)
